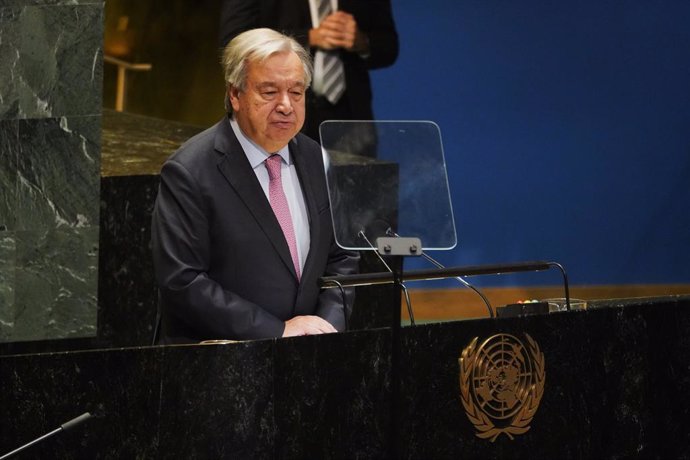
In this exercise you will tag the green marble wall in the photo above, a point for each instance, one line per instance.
(50, 118)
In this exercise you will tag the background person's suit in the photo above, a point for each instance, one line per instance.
(292, 17)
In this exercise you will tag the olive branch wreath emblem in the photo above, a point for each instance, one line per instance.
(530, 396)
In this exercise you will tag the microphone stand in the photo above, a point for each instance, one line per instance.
(398, 261)
(398, 248)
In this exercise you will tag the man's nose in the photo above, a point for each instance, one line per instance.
(284, 104)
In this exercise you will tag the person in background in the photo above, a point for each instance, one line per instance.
(347, 39)
(241, 228)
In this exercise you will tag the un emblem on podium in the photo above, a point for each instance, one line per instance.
(501, 384)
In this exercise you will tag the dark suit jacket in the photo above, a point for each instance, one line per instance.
(222, 263)
(292, 17)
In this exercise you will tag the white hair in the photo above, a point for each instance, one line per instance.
(257, 45)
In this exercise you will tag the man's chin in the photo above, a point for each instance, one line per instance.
(283, 132)
(279, 139)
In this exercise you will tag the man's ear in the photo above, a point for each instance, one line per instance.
(233, 97)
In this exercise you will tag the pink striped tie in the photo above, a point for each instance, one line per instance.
(280, 207)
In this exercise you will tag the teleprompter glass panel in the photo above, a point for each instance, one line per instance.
(387, 178)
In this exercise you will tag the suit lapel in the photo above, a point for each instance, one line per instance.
(309, 200)
(236, 169)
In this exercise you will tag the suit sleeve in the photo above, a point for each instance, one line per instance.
(181, 255)
(237, 16)
(379, 25)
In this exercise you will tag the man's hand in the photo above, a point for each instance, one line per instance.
(338, 30)
(307, 325)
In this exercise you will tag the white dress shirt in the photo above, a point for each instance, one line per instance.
(291, 186)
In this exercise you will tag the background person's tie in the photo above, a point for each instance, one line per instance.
(330, 77)
(279, 203)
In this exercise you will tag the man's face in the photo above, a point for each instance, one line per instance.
(271, 109)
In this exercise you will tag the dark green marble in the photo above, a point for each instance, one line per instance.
(52, 60)
(50, 104)
(58, 173)
(56, 272)
(8, 177)
(7, 277)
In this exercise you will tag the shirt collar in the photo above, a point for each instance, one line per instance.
(255, 154)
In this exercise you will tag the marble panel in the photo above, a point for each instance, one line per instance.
(218, 401)
(58, 173)
(52, 60)
(50, 101)
(55, 284)
(332, 395)
(127, 291)
(616, 386)
(10, 84)
(120, 388)
(9, 149)
(7, 273)
(213, 401)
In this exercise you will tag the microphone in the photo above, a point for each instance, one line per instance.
(64, 427)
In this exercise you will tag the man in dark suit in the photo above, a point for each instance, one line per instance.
(226, 266)
(360, 32)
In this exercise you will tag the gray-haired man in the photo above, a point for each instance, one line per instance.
(238, 251)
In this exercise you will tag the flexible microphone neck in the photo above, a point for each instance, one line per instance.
(438, 264)
(408, 302)
(362, 235)
(492, 314)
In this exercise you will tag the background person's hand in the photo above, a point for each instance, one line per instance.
(337, 30)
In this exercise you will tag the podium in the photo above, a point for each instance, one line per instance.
(616, 386)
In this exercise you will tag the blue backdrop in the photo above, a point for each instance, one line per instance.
(566, 129)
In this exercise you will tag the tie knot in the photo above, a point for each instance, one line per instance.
(273, 166)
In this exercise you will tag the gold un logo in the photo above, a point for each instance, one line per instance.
(501, 384)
